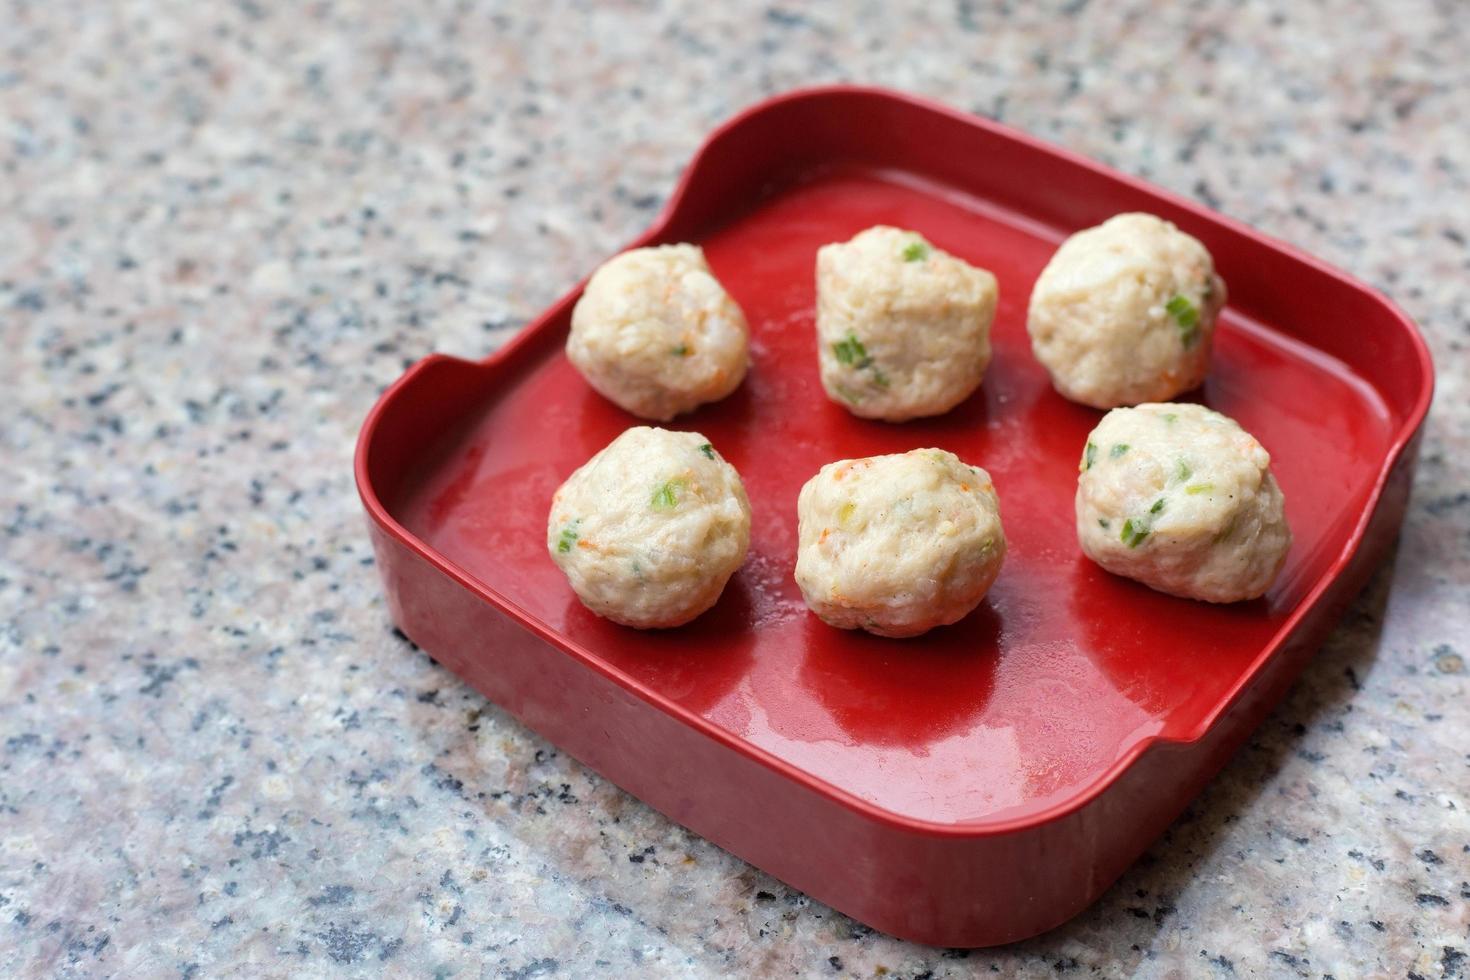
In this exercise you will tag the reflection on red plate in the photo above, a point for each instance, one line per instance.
(1027, 734)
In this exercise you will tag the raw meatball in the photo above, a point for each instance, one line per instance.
(1125, 312)
(898, 544)
(1181, 499)
(657, 334)
(903, 329)
(649, 530)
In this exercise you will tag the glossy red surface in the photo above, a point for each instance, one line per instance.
(1018, 735)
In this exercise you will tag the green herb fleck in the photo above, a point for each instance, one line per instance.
(1089, 456)
(1195, 489)
(1103, 523)
(681, 351)
(707, 449)
(916, 251)
(1118, 450)
(1184, 471)
(1158, 507)
(1187, 316)
(568, 537)
(666, 495)
(1170, 417)
(1183, 311)
(850, 351)
(1133, 535)
(848, 395)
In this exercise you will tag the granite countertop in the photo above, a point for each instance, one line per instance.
(224, 227)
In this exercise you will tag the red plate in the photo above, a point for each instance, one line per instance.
(989, 780)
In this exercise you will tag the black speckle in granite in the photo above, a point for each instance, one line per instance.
(358, 781)
(26, 740)
(1431, 899)
(1452, 962)
(159, 676)
(443, 780)
(785, 18)
(349, 944)
(535, 968)
(262, 843)
(835, 962)
(1204, 193)
(965, 16)
(1220, 960)
(1288, 958)
(216, 794)
(30, 300)
(1428, 857)
(1444, 504)
(332, 895)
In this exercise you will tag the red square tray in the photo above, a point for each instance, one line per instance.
(985, 782)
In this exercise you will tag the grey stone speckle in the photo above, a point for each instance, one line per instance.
(332, 895)
(226, 227)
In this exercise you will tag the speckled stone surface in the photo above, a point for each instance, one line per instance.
(225, 226)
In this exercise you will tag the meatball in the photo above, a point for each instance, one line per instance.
(1125, 312)
(1182, 499)
(897, 545)
(656, 333)
(650, 529)
(903, 329)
